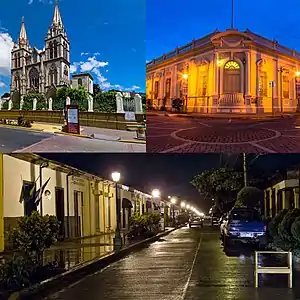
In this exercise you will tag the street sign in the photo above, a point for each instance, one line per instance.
(72, 117)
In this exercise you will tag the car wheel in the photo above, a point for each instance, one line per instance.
(226, 243)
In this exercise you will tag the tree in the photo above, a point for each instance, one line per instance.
(28, 101)
(77, 96)
(249, 196)
(5, 95)
(105, 102)
(220, 185)
(96, 89)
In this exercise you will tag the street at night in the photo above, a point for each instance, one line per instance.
(171, 134)
(187, 264)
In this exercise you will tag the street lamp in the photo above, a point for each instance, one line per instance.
(173, 201)
(156, 193)
(118, 238)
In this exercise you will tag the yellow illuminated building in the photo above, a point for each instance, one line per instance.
(1, 205)
(227, 72)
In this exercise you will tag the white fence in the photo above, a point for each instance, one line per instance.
(273, 270)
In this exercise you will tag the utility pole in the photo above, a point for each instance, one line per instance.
(245, 169)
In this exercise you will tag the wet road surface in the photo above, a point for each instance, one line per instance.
(167, 134)
(188, 264)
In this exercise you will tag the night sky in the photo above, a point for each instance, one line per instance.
(170, 173)
(173, 23)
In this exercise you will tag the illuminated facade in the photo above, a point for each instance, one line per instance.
(227, 72)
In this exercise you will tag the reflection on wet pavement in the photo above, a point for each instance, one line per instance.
(188, 264)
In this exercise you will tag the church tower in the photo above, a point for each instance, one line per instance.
(19, 53)
(57, 55)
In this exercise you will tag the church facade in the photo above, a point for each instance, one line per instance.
(227, 72)
(41, 71)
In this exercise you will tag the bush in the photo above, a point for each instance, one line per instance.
(295, 230)
(284, 228)
(144, 226)
(274, 223)
(249, 196)
(5, 105)
(33, 234)
(77, 96)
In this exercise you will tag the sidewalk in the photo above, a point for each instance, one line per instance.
(222, 115)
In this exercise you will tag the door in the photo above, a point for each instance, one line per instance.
(60, 210)
(77, 215)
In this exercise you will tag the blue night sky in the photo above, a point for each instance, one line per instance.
(107, 37)
(174, 23)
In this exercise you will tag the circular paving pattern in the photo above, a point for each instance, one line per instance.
(226, 135)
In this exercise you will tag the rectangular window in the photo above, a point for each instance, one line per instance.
(202, 85)
(285, 87)
(28, 198)
(168, 87)
(263, 84)
(156, 83)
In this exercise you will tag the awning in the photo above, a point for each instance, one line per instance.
(126, 203)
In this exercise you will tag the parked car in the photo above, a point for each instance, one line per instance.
(196, 221)
(244, 225)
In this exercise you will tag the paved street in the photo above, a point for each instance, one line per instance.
(188, 264)
(15, 140)
(167, 134)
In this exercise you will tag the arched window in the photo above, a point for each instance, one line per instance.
(17, 82)
(53, 76)
(51, 50)
(19, 60)
(232, 77)
(66, 73)
(79, 82)
(15, 61)
(34, 78)
(55, 49)
(65, 51)
(35, 56)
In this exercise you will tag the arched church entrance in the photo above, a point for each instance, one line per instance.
(232, 77)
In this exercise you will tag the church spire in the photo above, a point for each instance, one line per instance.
(23, 41)
(57, 22)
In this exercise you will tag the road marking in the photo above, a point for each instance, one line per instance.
(262, 147)
(176, 148)
(28, 148)
(191, 271)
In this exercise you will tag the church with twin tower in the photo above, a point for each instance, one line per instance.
(44, 71)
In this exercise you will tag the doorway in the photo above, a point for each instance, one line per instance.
(232, 78)
(60, 210)
(78, 213)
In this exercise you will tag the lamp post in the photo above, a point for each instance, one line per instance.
(118, 238)
(156, 194)
(173, 201)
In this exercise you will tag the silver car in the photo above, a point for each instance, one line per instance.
(196, 221)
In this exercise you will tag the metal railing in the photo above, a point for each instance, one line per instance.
(274, 270)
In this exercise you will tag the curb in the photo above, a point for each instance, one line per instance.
(73, 134)
(57, 283)
(133, 141)
(21, 128)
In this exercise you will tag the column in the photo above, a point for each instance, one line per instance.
(174, 82)
(214, 103)
(276, 88)
(248, 74)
